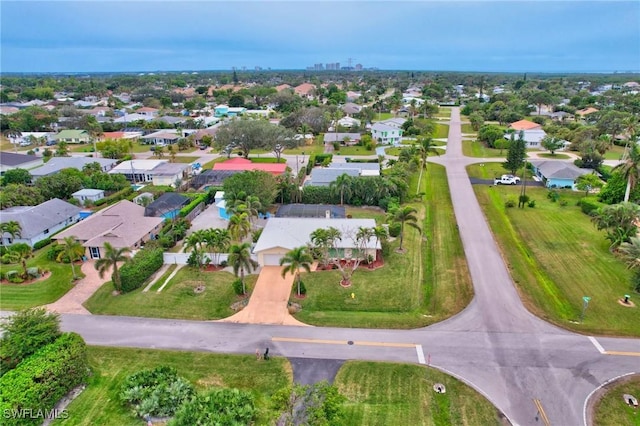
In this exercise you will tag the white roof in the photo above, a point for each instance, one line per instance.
(88, 192)
(290, 233)
(137, 166)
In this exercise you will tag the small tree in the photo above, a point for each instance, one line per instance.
(241, 261)
(20, 253)
(516, 154)
(295, 259)
(552, 144)
(404, 215)
(110, 260)
(588, 182)
(73, 250)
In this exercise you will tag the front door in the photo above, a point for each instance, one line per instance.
(95, 252)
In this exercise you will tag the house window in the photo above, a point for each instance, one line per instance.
(95, 252)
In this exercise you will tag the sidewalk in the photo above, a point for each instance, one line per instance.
(268, 302)
(71, 303)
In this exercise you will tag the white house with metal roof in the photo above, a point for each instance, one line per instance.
(281, 235)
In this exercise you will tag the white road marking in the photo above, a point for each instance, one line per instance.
(597, 345)
(420, 354)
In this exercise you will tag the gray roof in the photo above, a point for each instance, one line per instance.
(351, 108)
(171, 120)
(290, 233)
(35, 219)
(56, 164)
(88, 192)
(324, 176)
(358, 166)
(555, 169)
(169, 169)
(167, 202)
(339, 137)
(311, 210)
(12, 159)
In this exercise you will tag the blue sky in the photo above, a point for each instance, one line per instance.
(103, 36)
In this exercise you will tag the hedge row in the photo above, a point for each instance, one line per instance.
(41, 380)
(192, 205)
(135, 272)
(589, 206)
(116, 196)
(42, 243)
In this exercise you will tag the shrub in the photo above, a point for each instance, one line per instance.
(24, 333)
(219, 407)
(41, 380)
(192, 205)
(531, 203)
(303, 289)
(42, 243)
(135, 272)
(158, 392)
(510, 203)
(553, 196)
(635, 281)
(563, 203)
(589, 206)
(237, 287)
(224, 263)
(54, 251)
(394, 229)
(321, 159)
(14, 277)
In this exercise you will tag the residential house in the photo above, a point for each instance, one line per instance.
(138, 171)
(130, 118)
(10, 161)
(586, 111)
(211, 178)
(167, 205)
(386, 134)
(200, 134)
(161, 137)
(396, 122)
(243, 165)
(56, 164)
(353, 96)
(170, 174)
(8, 110)
(88, 195)
(524, 125)
(324, 176)
(172, 120)
(39, 222)
(350, 108)
(306, 90)
(533, 137)
(73, 136)
(364, 169)
(281, 235)
(282, 87)
(147, 111)
(227, 111)
(557, 174)
(123, 225)
(348, 122)
(346, 138)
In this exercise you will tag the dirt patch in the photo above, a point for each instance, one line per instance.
(212, 380)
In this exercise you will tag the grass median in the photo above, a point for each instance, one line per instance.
(612, 410)
(556, 256)
(403, 394)
(427, 283)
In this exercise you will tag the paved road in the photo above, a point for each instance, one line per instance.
(495, 344)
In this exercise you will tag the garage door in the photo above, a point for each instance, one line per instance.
(272, 259)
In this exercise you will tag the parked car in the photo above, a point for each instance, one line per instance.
(506, 180)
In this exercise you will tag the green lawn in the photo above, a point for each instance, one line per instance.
(611, 410)
(316, 147)
(480, 150)
(15, 297)
(402, 394)
(209, 165)
(99, 403)
(354, 150)
(177, 299)
(441, 131)
(426, 284)
(185, 159)
(467, 129)
(383, 116)
(444, 112)
(367, 213)
(615, 152)
(556, 256)
(555, 156)
(491, 170)
(266, 160)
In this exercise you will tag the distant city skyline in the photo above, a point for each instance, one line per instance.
(482, 36)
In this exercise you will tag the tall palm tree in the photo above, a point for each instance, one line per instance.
(196, 243)
(13, 228)
(630, 169)
(425, 146)
(405, 215)
(217, 240)
(342, 186)
(380, 233)
(73, 250)
(112, 256)
(239, 226)
(295, 259)
(241, 261)
(250, 205)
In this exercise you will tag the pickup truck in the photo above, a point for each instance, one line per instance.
(506, 180)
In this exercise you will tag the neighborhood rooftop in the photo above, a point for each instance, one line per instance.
(34, 220)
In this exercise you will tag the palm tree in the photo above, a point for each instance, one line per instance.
(631, 252)
(250, 205)
(19, 253)
(217, 240)
(239, 226)
(295, 259)
(380, 233)
(110, 260)
(404, 215)
(342, 186)
(630, 169)
(425, 146)
(13, 228)
(195, 243)
(241, 261)
(158, 151)
(172, 153)
(73, 250)
(12, 135)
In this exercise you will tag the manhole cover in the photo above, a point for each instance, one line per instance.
(350, 342)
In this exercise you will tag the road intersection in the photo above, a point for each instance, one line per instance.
(528, 368)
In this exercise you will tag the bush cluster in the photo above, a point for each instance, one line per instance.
(217, 407)
(588, 206)
(42, 243)
(116, 196)
(192, 205)
(134, 273)
(41, 380)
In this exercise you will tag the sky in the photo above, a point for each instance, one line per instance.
(488, 36)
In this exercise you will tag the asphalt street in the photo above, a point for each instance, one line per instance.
(495, 344)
